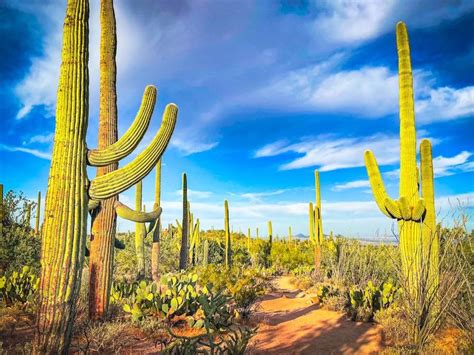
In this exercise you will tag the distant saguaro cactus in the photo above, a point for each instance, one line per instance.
(228, 240)
(270, 232)
(317, 227)
(65, 225)
(155, 247)
(249, 240)
(183, 254)
(419, 240)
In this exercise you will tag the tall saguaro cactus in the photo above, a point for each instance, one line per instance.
(228, 240)
(155, 247)
(183, 253)
(290, 235)
(249, 240)
(416, 216)
(69, 190)
(270, 232)
(38, 214)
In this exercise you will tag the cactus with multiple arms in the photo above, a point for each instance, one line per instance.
(416, 216)
(183, 253)
(64, 229)
(228, 241)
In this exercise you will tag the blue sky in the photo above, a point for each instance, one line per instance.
(268, 91)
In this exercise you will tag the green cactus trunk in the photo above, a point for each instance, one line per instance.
(270, 232)
(28, 215)
(318, 225)
(183, 254)
(104, 219)
(228, 241)
(290, 235)
(155, 247)
(256, 234)
(419, 244)
(140, 232)
(38, 215)
(64, 229)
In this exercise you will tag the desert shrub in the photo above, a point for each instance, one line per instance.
(18, 244)
(102, 337)
(19, 287)
(287, 256)
(395, 328)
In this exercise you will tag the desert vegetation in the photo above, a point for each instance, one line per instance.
(179, 289)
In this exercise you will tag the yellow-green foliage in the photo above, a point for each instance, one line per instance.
(415, 215)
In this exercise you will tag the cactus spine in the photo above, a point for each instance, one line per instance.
(419, 242)
(155, 247)
(183, 254)
(38, 214)
(228, 241)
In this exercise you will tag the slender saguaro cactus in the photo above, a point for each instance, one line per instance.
(155, 247)
(318, 236)
(140, 233)
(256, 233)
(228, 241)
(28, 214)
(419, 242)
(69, 190)
(270, 232)
(290, 235)
(183, 254)
(38, 214)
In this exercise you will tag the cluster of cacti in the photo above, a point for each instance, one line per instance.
(415, 215)
(19, 286)
(316, 224)
(183, 253)
(228, 240)
(64, 228)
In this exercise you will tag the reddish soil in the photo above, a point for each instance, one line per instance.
(290, 324)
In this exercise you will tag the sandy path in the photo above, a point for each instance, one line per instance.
(290, 324)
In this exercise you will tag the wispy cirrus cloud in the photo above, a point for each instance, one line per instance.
(351, 185)
(40, 138)
(34, 152)
(195, 194)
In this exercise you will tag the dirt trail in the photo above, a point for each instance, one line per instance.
(290, 324)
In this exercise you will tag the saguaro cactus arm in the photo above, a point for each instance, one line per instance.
(115, 182)
(427, 185)
(386, 205)
(129, 141)
(129, 214)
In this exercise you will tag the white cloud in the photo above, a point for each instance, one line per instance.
(257, 196)
(351, 185)
(445, 103)
(40, 138)
(195, 194)
(443, 166)
(191, 146)
(331, 153)
(350, 22)
(34, 152)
